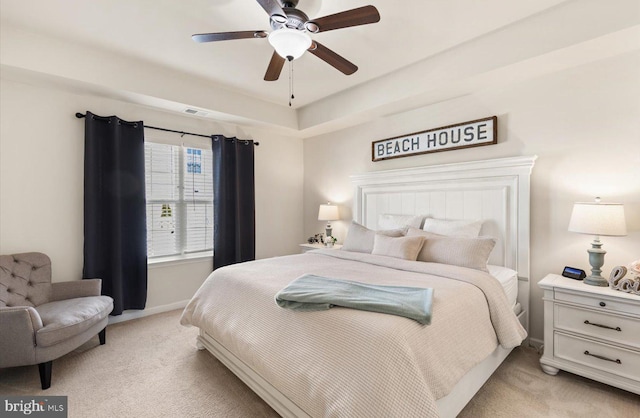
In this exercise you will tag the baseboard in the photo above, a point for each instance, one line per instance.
(129, 315)
(536, 343)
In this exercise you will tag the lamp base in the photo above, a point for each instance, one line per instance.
(596, 281)
(596, 259)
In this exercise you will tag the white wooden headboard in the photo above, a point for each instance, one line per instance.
(495, 191)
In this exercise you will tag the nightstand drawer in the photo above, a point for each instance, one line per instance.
(595, 301)
(614, 328)
(621, 362)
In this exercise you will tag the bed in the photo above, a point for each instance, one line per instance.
(346, 362)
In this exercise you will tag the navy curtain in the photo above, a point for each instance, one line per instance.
(233, 201)
(115, 234)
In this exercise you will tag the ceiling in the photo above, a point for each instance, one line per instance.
(409, 34)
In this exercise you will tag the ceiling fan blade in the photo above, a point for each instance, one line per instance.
(272, 7)
(227, 36)
(275, 67)
(333, 59)
(354, 17)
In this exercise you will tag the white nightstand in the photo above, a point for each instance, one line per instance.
(308, 247)
(591, 331)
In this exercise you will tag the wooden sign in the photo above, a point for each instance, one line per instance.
(462, 135)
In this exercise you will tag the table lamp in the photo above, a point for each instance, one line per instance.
(597, 219)
(328, 213)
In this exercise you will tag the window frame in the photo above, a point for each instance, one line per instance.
(180, 209)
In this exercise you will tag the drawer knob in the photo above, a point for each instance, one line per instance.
(602, 326)
(603, 304)
(587, 353)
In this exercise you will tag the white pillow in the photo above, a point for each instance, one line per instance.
(360, 239)
(389, 221)
(406, 248)
(461, 228)
(459, 251)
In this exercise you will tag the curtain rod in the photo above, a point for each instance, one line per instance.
(80, 116)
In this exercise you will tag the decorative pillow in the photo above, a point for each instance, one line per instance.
(462, 228)
(415, 232)
(388, 221)
(360, 238)
(458, 251)
(406, 248)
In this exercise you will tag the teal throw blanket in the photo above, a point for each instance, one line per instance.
(314, 293)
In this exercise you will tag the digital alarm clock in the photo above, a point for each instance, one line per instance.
(574, 273)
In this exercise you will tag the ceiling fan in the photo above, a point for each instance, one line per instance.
(290, 35)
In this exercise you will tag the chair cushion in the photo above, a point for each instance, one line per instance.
(64, 319)
(25, 279)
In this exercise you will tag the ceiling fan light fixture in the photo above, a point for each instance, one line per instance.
(289, 42)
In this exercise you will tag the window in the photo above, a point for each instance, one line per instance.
(179, 192)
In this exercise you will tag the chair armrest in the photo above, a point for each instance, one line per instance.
(18, 326)
(75, 289)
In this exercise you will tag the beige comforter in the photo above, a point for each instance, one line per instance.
(349, 363)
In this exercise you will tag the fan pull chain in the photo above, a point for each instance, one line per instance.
(291, 96)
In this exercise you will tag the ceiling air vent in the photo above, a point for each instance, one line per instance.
(196, 112)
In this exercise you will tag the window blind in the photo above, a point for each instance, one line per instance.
(179, 193)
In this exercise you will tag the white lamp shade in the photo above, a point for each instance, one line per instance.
(289, 42)
(598, 219)
(328, 213)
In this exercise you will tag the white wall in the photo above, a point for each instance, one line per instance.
(583, 123)
(41, 182)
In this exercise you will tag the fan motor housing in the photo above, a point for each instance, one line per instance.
(295, 19)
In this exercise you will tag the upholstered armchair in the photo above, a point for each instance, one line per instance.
(41, 321)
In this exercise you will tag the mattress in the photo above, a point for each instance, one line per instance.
(508, 278)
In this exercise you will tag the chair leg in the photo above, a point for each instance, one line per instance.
(103, 336)
(45, 374)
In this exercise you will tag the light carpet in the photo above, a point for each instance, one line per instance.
(150, 368)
